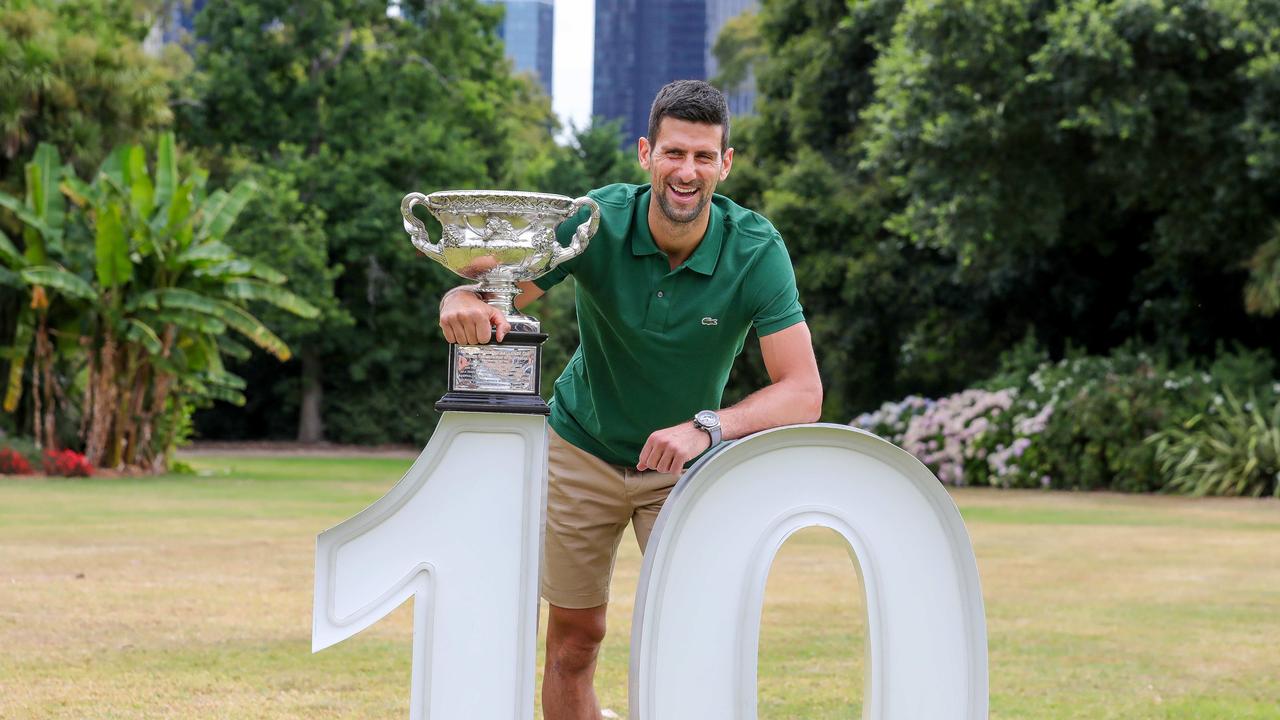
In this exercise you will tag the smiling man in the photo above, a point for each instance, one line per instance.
(668, 290)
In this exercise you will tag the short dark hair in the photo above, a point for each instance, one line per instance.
(691, 101)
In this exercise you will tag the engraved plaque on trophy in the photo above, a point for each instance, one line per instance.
(498, 238)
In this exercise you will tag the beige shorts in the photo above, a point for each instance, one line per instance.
(589, 503)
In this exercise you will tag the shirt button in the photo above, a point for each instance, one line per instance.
(659, 293)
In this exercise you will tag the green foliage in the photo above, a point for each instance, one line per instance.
(1233, 448)
(144, 292)
(1121, 422)
(948, 174)
(737, 49)
(339, 110)
(75, 76)
(1262, 293)
(593, 159)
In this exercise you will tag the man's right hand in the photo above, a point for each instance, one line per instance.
(468, 320)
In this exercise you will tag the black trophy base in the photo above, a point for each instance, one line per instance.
(519, 350)
(493, 403)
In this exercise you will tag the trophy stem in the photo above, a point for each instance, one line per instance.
(502, 295)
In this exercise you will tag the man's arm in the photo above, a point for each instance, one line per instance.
(467, 319)
(794, 395)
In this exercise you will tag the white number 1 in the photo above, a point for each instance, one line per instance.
(460, 533)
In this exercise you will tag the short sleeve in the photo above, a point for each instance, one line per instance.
(776, 298)
(564, 236)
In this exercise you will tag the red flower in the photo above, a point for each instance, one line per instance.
(13, 462)
(66, 463)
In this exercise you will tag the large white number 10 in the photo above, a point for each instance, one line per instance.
(461, 533)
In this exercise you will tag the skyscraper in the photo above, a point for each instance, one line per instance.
(640, 46)
(529, 31)
(742, 98)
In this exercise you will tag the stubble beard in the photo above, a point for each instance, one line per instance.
(676, 215)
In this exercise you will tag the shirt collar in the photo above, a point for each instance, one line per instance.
(704, 257)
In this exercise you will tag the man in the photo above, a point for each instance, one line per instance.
(667, 291)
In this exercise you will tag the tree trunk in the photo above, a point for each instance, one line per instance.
(310, 419)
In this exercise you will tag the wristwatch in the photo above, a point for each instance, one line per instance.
(709, 421)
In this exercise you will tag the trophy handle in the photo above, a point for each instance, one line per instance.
(416, 228)
(582, 235)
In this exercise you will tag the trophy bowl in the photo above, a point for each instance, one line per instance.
(499, 238)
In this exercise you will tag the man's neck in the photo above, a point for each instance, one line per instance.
(677, 240)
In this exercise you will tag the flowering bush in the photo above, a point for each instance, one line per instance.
(66, 463)
(949, 435)
(1080, 423)
(13, 462)
(892, 418)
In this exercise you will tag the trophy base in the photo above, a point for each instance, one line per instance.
(497, 377)
(493, 403)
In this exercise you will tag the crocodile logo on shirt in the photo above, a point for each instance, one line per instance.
(710, 321)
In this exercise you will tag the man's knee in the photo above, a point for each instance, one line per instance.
(574, 637)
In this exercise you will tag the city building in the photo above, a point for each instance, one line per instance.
(529, 31)
(742, 98)
(641, 45)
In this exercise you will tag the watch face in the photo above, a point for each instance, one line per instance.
(706, 418)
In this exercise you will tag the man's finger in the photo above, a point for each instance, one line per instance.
(644, 454)
(469, 332)
(482, 330)
(668, 457)
(500, 324)
(448, 331)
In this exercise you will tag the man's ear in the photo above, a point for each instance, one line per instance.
(643, 149)
(726, 164)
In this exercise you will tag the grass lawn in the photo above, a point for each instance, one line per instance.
(186, 597)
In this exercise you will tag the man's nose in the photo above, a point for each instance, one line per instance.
(688, 171)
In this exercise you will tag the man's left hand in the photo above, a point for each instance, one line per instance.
(667, 450)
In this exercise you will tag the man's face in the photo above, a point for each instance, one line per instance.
(684, 164)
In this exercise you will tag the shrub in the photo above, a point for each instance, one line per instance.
(947, 435)
(13, 462)
(66, 463)
(1087, 420)
(1232, 448)
(1083, 423)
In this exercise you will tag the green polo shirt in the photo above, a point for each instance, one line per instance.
(657, 344)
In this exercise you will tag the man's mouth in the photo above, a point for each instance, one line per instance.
(683, 192)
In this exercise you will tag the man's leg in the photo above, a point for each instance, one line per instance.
(573, 644)
(587, 511)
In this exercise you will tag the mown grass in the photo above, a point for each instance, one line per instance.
(183, 596)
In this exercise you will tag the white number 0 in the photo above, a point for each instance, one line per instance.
(461, 533)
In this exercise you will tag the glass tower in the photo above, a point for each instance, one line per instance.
(641, 45)
(528, 31)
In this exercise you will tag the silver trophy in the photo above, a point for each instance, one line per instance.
(498, 238)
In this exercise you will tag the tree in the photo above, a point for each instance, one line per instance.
(75, 76)
(144, 289)
(366, 108)
(42, 212)
(593, 159)
(950, 174)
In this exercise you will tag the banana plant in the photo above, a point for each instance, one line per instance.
(42, 212)
(156, 291)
